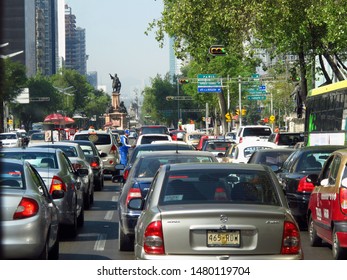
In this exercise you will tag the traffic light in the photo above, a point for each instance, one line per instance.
(183, 81)
(243, 112)
(237, 111)
(217, 50)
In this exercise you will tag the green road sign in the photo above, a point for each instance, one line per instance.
(209, 84)
(207, 76)
(256, 97)
(256, 91)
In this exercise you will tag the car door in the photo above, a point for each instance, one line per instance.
(326, 196)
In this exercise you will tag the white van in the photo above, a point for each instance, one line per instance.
(253, 133)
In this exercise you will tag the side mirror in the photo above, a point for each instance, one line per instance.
(57, 194)
(136, 204)
(119, 166)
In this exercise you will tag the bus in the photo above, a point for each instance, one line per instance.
(326, 114)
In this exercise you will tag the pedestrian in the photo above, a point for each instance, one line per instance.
(124, 147)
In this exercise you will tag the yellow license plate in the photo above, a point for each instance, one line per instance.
(223, 238)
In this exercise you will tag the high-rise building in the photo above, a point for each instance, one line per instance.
(75, 44)
(92, 78)
(18, 30)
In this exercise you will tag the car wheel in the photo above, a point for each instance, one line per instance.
(80, 219)
(54, 252)
(86, 200)
(339, 253)
(72, 229)
(315, 240)
(126, 243)
(91, 198)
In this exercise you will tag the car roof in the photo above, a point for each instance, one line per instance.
(31, 149)
(93, 132)
(60, 143)
(322, 147)
(248, 143)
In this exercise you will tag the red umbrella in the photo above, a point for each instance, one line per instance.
(68, 120)
(54, 118)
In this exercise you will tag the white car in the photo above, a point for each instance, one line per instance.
(252, 133)
(242, 152)
(10, 139)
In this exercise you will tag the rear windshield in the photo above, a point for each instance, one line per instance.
(151, 130)
(290, 139)
(217, 146)
(256, 131)
(97, 139)
(149, 139)
(36, 159)
(221, 186)
(11, 176)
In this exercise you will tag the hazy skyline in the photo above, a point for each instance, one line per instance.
(116, 41)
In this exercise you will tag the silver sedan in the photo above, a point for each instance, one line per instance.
(29, 217)
(58, 173)
(215, 211)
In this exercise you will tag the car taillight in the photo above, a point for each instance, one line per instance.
(77, 166)
(113, 149)
(240, 140)
(291, 239)
(305, 186)
(153, 239)
(343, 199)
(94, 164)
(133, 192)
(126, 174)
(27, 208)
(57, 184)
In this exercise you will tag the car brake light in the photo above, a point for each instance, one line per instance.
(343, 199)
(133, 192)
(126, 174)
(57, 185)
(94, 164)
(305, 186)
(27, 208)
(291, 239)
(240, 140)
(153, 239)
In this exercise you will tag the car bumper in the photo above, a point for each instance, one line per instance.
(341, 229)
(298, 205)
(141, 255)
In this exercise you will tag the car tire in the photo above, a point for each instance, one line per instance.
(315, 240)
(86, 200)
(54, 252)
(72, 229)
(80, 219)
(338, 252)
(126, 243)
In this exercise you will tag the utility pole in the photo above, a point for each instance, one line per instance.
(240, 105)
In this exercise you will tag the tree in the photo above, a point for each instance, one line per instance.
(13, 79)
(305, 28)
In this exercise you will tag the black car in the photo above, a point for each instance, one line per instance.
(292, 176)
(286, 139)
(93, 156)
(139, 181)
(271, 157)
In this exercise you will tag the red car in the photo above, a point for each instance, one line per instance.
(327, 208)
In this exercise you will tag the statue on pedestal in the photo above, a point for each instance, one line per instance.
(116, 84)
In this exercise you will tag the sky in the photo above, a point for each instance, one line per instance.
(116, 42)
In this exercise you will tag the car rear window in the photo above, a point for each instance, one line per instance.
(11, 176)
(36, 159)
(257, 131)
(149, 139)
(152, 130)
(97, 139)
(218, 186)
(290, 139)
